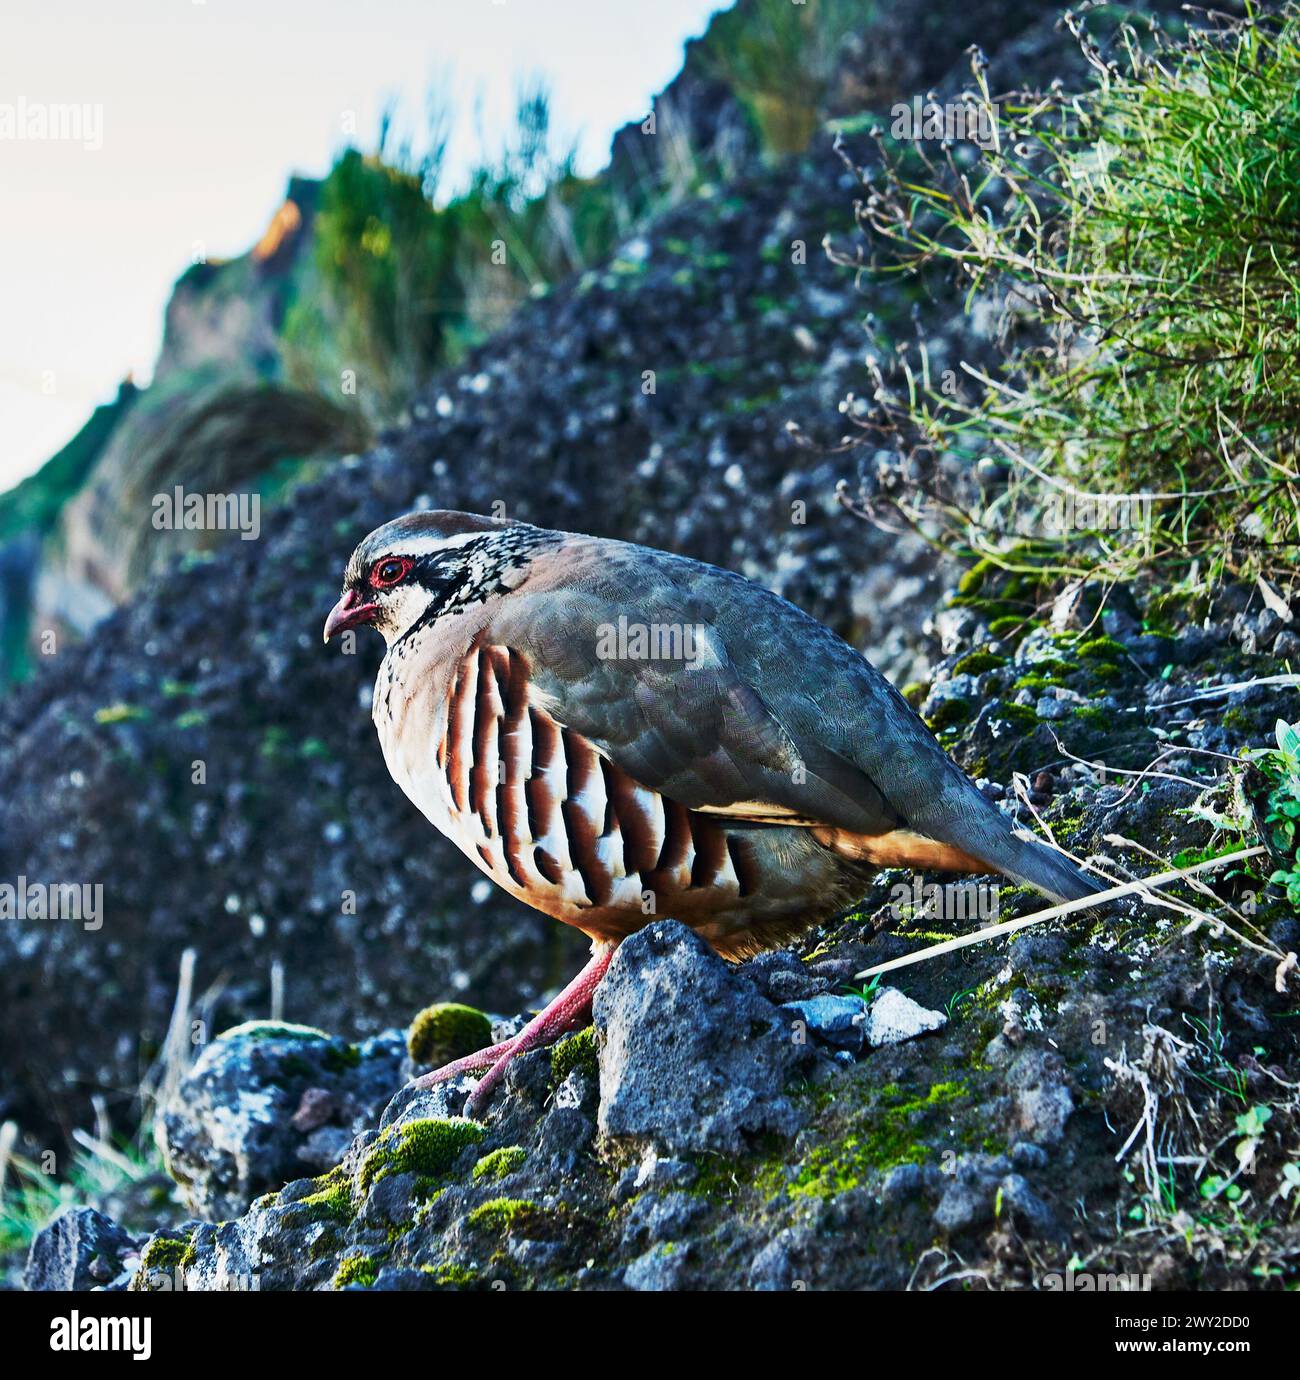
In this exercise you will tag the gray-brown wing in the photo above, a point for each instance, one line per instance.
(773, 716)
(632, 659)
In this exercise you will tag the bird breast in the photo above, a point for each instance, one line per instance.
(537, 807)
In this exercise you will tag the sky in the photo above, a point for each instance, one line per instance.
(193, 114)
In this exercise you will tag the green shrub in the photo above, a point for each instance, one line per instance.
(402, 282)
(377, 302)
(1142, 237)
(780, 60)
(1281, 767)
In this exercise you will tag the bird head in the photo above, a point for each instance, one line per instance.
(421, 566)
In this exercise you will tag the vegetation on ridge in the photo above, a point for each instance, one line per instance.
(1136, 244)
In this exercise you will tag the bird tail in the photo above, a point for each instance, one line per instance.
(985, 832)
(1052, 873)
(967, 850)
(959, 830)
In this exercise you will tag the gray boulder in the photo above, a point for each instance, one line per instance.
(658, 1270)
(80, 1249)
(1041, 1094)
(266, 1103)
(691, 1057)
(970, 1196)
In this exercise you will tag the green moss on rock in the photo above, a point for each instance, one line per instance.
(447, 1031)
(498, 1163)
(893, 1130)
(1012, 627)
(272, 1030)
(338, 1058)
(332, 1199)
(914, 692)
(1101, 648)
(120, 714)
(451, 1276)
(164, 1255)
(356, 1269)
(1052, 666)
(1018, 714)
(574, 1052)
(502, 1216)
(977, 662)
(949, 712)
(427, 1147)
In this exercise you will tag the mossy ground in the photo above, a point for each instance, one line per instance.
(355, 1269)
(498, 1163)
(333, 1197)
(504, 1216)
(163, 1264)
(858, 1133)
(577, 1051)
(427, 1147)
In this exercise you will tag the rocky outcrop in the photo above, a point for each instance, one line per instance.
(81, 1249)
(266, 1103)
(692, 1058)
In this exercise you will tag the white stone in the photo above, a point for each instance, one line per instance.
(894, 1018)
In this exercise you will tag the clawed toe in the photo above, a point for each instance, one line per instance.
(490, 1062)
(472, 1063)
(569, 1009)
(478, 1099)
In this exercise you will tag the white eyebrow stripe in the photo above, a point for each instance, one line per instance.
(414, 546)
(427, 546)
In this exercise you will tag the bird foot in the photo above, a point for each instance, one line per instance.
(471, 1063)
(571, 1008)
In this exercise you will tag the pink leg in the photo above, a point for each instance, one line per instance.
(471, 1063)
(570, 1008)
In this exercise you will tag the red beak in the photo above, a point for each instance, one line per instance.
(349, 612)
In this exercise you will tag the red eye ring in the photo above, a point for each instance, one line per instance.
(392, 570)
